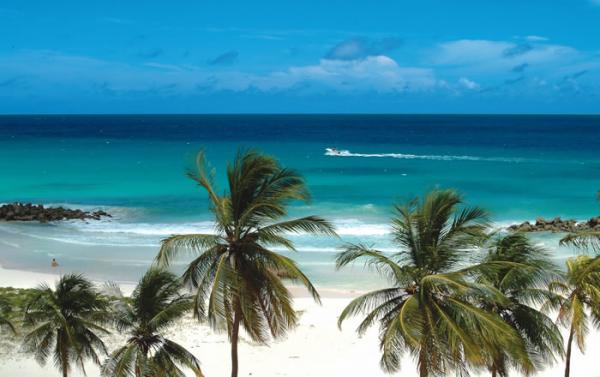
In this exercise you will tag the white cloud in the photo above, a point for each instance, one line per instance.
(469, 56)
(54, 71)
(374, 73)
(358, 48)
(537, 38)
(469, 51)
(469, 84)
(458, 66)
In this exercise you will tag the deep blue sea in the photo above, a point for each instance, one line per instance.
(517, 167)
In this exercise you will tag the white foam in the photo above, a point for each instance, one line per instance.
(11, 244)
(405, 156)
(112, 232)
(354, 227)
(143, 229)
(343, 227)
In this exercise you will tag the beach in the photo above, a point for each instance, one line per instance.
(317, 347)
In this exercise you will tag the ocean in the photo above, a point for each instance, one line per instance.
(133, 166)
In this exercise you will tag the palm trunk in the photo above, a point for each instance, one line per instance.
(138, 367)
(422, 362)
(494, 371)
(235, 331)
(568, 356)
(64, 358)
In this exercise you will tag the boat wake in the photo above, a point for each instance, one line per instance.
(346, 153)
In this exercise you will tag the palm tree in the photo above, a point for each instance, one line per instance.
(65, 323)
(430, 311)
(234, 271)
(5, 310)
(580, 301)
(155, 304)
(523, 281)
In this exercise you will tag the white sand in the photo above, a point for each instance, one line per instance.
(316, 348)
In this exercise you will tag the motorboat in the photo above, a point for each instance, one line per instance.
(336, 152)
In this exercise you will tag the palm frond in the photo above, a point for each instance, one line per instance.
(376, 260)
(583, 239)
(370, 302)
(308, 224)
(190, 244)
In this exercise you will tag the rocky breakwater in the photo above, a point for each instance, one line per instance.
(557, 225)
(32, 212)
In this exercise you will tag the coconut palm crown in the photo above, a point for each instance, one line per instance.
(523, 281)
(430, 310)
(65, 323)
(237, 278)
(155, 304)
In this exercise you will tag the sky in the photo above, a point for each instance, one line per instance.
(334, 56)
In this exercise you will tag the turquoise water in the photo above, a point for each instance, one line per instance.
(134, 166)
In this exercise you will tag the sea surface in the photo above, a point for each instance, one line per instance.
(517, 167)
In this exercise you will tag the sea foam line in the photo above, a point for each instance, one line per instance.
(404, 156)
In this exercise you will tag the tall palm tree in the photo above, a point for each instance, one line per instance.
(430, 310)
(234, 272)
(155, 304)
(580, 301)
(66, 323)
(5, 310)
(523, 281)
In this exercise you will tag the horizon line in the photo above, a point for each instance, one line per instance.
(298, 114)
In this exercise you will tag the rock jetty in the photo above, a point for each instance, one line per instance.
(557, 225)
(32, 212)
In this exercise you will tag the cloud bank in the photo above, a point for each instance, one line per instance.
(520, 69)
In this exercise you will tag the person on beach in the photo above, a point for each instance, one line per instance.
(54, 263)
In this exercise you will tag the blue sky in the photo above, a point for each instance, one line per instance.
(304, 56)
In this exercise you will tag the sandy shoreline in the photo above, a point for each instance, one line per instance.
(316, 348)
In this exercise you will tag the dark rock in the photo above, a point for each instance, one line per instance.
(30, 212)
(556, 225)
